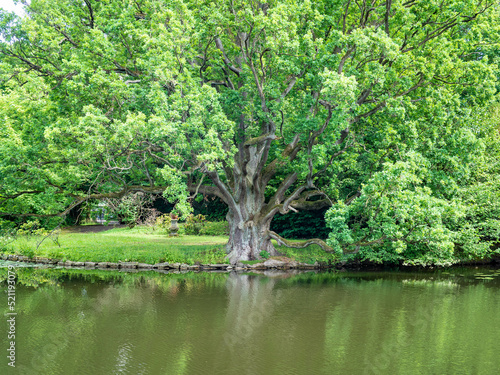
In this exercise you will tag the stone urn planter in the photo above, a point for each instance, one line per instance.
(174, 228)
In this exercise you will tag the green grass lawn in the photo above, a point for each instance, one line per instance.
(139, 244)
(124, 244)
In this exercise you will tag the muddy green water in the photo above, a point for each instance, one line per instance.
(98, 322)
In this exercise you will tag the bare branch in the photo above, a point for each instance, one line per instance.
(91, 13)
(218, 43)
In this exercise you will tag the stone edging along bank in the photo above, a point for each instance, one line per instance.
(131, 266)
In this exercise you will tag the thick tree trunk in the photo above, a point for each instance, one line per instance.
(249, 231)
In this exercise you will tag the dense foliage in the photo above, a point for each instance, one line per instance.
(433, 202)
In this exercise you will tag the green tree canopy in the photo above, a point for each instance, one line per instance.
(272, 106)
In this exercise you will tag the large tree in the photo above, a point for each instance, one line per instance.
(258, 103)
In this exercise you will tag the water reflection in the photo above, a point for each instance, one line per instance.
(97, 322)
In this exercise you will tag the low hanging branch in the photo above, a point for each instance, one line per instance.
(53, 235)
(300, 245)
(80, 199)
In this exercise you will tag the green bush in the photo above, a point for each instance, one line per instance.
(26, 237)
(198, 226)
(130, 209)
(264, 254)
(215, 228)
(215, 255)
(31, 228)
(194, 224)
(162, 223)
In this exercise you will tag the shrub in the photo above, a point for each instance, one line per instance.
(149, 218)
(162, 223)
(31, 228)
(215, 228)
(216, 255)
(264, 254)
(194, 224)
(129, 209)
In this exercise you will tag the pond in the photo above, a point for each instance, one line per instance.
(107, 322)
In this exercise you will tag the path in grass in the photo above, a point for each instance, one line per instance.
(91, 228)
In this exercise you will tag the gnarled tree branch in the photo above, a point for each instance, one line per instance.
(300, 245)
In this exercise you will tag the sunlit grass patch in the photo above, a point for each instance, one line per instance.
(124, 244)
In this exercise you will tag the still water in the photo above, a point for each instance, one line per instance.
(98, 322)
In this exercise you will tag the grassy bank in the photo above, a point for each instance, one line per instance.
(124, 244)
(139, 244)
